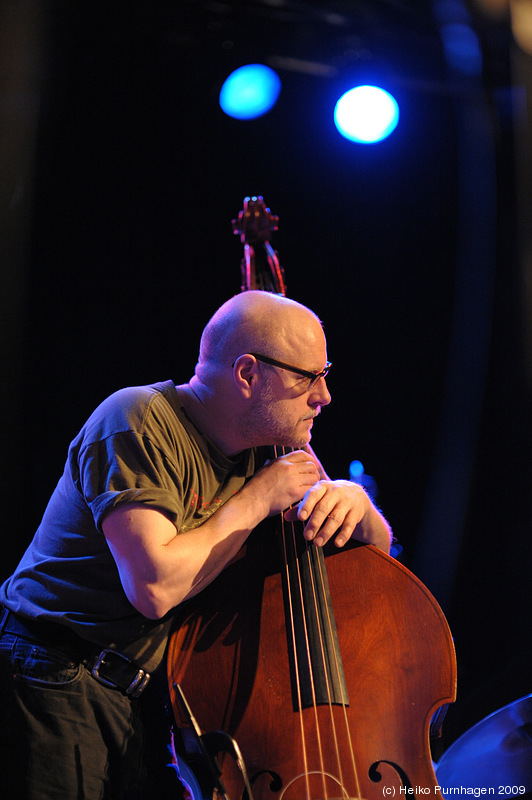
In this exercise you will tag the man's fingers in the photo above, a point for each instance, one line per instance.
(309, 505)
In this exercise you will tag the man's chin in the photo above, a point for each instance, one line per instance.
(303, 441)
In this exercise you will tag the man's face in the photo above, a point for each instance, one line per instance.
(284, 409)
(288, 412)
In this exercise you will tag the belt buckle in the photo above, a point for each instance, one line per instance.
(137, 685)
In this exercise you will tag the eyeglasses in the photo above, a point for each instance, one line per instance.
(313, 377)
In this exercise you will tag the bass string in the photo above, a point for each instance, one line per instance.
(317, 582)
(321, 566)
(319, 578)
(295, 656)
(284, 451)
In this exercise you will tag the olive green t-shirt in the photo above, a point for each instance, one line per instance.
(138, 446)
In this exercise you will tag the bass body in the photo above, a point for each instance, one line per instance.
(237, 660)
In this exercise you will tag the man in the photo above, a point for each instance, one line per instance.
(161, 488)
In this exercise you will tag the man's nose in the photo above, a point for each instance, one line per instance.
(320, 394)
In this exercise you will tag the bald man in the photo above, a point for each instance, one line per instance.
(161, 488)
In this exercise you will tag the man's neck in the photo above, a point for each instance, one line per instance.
(208, 417)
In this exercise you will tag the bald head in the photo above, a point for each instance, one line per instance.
(254, 321)
(239, 401)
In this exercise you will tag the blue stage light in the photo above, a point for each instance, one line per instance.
(462, 48)
(250, 91)
(366, 114)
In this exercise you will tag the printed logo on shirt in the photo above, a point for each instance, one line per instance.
(198, 502)
(199, 510)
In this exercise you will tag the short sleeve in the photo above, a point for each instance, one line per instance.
(127, 467)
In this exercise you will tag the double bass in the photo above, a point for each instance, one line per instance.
(307, 673)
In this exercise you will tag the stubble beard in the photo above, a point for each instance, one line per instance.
(266, 424)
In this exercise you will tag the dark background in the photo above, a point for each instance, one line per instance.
(120, 177)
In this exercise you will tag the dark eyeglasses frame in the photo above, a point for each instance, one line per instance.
(313, 377)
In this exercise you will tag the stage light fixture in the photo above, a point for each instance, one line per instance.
(250, 91)
(366, 114)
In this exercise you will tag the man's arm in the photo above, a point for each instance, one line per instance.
(159, 567)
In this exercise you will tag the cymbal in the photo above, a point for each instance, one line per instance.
(496, 753)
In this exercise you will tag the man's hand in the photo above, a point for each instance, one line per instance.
(341, 509)
(284, 481)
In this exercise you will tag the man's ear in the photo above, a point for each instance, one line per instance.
(245, 374)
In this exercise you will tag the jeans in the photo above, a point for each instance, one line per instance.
(64, 736)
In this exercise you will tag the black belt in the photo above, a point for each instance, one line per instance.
(107, 666)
